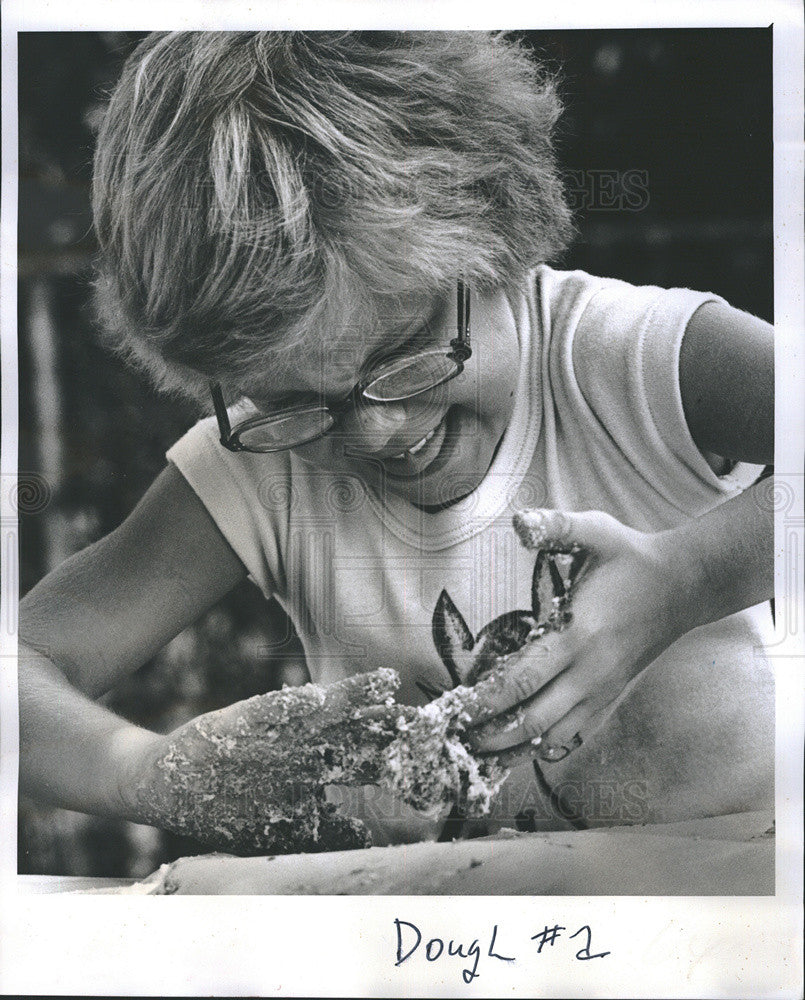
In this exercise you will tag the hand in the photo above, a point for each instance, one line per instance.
(635, 594)
(250, 778)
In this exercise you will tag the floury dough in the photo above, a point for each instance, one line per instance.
(251, 779)
(428, 765)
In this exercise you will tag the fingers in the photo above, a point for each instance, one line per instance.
(351, 752)
(549, 530)
(265, 713)
(356, 721)
(558, 710)
(555, 744)
(318, 706)
(523, 753)
(519, 677)
(382, 712)
(520, 726)
(537, 750)
(571, 730)
(551, 752)
(545, 727)
(345, 697)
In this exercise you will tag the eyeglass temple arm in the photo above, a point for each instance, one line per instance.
(461, 344)
(224, 427)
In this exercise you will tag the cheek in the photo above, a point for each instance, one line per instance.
(502, 359)
(487, 388)
(326, 453)
(333, 453)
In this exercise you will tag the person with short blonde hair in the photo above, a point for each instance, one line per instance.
(340, 245)
(252, 189)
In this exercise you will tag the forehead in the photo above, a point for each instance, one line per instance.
(330, 363)
(326, 368)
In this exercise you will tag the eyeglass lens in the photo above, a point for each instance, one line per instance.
(284, 431)
(406, 377)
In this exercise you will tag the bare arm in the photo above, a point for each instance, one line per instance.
(247, 778)
(98, 617)
(641, 591)
(726, 376)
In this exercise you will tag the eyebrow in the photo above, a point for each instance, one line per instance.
(420, 328)
(283, 400)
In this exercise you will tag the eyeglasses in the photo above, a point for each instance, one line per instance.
(396, 379)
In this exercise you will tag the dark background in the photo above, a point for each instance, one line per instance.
(666, 144)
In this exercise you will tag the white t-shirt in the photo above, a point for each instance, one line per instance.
(597, 424)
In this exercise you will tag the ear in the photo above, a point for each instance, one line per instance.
(452, 638)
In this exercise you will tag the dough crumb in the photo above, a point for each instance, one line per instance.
(429, 765)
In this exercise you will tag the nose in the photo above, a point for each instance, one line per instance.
(371, 429)
(383, 429)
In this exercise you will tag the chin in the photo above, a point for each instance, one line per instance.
(447, 487)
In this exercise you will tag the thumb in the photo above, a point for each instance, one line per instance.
(593, 531)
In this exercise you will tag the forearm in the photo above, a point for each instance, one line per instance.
(728, 555)
(74, 753)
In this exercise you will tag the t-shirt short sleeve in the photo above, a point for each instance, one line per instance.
(624, 356)
(243, 495)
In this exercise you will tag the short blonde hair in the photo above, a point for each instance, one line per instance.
(253, 189)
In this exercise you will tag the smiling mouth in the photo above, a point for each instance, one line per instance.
(423, 457)
(427, 456)
(415, 448)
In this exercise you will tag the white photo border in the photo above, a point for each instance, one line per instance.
(295, 946)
